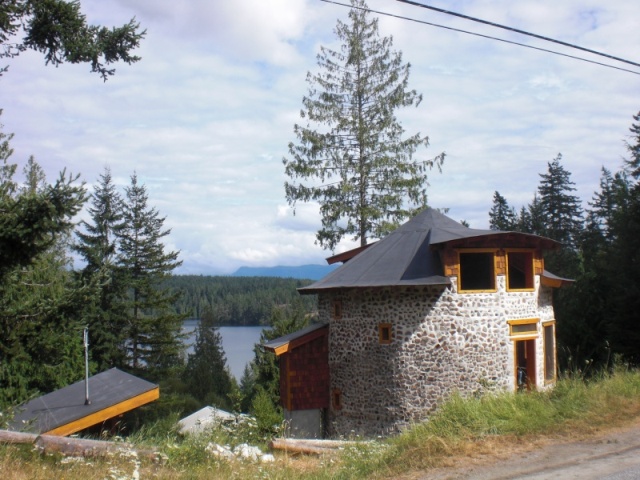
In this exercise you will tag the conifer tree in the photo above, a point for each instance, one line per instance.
(59, 30)
(267, 371)
(207, 375)
(352, 156)
(153, 330)
(40, 303)
(502, 216)
(96, 244)
(625, 261)
(560, 209)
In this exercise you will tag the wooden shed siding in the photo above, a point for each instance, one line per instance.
(304, 376)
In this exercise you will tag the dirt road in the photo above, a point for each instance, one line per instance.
(614, 455)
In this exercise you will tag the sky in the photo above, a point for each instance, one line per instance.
(205, 118)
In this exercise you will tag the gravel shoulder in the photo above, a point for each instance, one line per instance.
(611, 454)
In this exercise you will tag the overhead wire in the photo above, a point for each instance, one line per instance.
(516, 30)
(489, 37)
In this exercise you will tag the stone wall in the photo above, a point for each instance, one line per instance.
(442, 342)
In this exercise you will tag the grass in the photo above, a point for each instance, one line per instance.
(463, 427)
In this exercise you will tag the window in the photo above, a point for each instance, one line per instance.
(549, 352)
(520, 270)
(477, 271)
(384, 333)
(337, 309)
(336, 399)
(527, 326)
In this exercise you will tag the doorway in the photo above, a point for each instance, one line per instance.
(525, 353)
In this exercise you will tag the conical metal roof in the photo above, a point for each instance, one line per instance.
(405, 257)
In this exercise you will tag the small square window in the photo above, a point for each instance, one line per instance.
(384, 333)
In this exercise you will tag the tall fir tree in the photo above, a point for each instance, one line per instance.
(560, 209)
(153, 333)
(562, 217)
(625, 261)
(96, 244)
(502, 216)
(207, 376)
(40, 303)
(351, 156)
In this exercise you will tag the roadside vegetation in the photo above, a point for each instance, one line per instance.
(462, 427)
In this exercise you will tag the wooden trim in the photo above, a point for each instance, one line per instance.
(105, 414)
(287, 347)
(495, 268)
(550, 282)
(385, 339)
(533, 268)
(522, 321)
(551, 323)
(289, 398)
(524, 335)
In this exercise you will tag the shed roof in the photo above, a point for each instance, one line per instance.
(405, 257)
(288, 342)
(64, 412)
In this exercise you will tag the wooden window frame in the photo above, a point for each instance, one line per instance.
(336, 399)
(464, 251)
(509, 251)
(336, 309)
(385, 333)
(524, 335)
(551, 324)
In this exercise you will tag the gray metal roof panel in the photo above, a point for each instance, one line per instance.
(280, 341)
(404, 257)
(66, 405)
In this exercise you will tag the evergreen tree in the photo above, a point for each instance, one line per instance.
(265, 364)
(502, 216)
(35, 177)
(632, 164)
(207, 376)
(563, 218)
(40, 303)
(97, 246)
(625, 260)
(351, 153)
(153, 330)
(59, 30)
(560, 209)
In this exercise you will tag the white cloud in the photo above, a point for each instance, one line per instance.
(205, 118)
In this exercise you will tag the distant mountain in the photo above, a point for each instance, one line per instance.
(310, 272)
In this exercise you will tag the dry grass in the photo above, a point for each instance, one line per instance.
(471, 431)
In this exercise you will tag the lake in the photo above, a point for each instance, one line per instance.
(237, 343)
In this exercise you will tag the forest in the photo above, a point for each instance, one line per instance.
(597, 316)
(236, 301)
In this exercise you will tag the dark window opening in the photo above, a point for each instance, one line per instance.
(337, 309)
(477, 271)
(520, 274)
(384, 333)
(336, 399)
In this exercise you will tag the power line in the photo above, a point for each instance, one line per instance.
(489, 37)
(504, 27)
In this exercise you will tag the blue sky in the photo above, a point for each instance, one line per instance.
(205, 118)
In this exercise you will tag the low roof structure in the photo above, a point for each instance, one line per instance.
(203, 419)
(288, 342)
(64, 411)
(408, 256)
